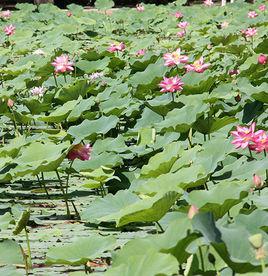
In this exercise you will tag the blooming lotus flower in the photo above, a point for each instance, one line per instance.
(171, 84)
(10, 103)
(262, 59)
(38, 91)
(175, 58)
(208, 3)
(243, 136)
(140, 52)
(63, 64)
(80, 151)
(252, 14)
(139, 7)
(258, 183)
(234, 72)
(117, 47)
(69, 13)
(96, 75)
(193, 210)
(9, 30)
(259, 141)
(183, 25)
(262, 7)
(178, 15)
(198, 66)
(250, 32)
(224, 24)
(181, 34)
(5, 14)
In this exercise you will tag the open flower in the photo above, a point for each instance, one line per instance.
(140, 53)
(198, 66)
(183, 24)
(262, 59)
(224, 24)
(208, 3)
(252, 14)
(63, 64)
(243, 136)
(175, 58)
(5, 14)
(171, 84)
(233, 72)
(181, 34)
(96, 75)
(80, 151)
(139, 7)
(259, 141)
(178, 15)
(38, 91)
(262, 7)
(117, 47)
(9, 30)
(249, 32)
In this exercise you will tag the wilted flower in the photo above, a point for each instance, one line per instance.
(257, 181)
(139, 7)
(38, 91)
(243, 136)
(117, 47)
(262, 59)
(178, 15)
(171, 84)
(69, 13)
(10, 103)
(234, 72)
(183, 24)
(249, 32)
(9, 30)
(224, 24)
(252, 14)
(208, 3)
(140, 52)
(198, 66)
(181, 34)
(5, 14)
(39, 52)
(80, 151)
(175, 58)
(96, 75)
(63, 64)
(262, 7)
(193, 210)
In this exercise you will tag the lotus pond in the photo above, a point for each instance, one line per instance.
(133, 141)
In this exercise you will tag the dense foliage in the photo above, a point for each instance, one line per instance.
(147, 126)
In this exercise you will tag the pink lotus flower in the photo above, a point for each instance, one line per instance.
(178, 15)
(69, 13)
(193, 210)
(171, 84)
(252, 14)
(258, 183)
(243, 136)
(9, 30)
(139, 7)
(249, 32)
(10, 103)
(117, 47)
(198, 66)
(262, 59)
(259, 141)
(80, 151)
(208, 3)
(175, 58)
(224, 24)
(38, 91)
(183, 25)
(140, 53)
(5, 14)
(234, 72)
(181, 34)
(63, 64)
(96, 75)
(262, 7)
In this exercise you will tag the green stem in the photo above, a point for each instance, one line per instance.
(172, 95)
(190, 135)
(28, 249)
(159, 225)
(64, 194)
(201, 258)
(68, 177)
(64, 78)
(42, 184)
(262, 265)
(55, 79)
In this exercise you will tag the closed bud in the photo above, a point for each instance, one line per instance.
(192, 211)
(257, 181)
(10, 103)
(262, 59)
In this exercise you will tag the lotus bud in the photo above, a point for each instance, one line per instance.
(10, 103)
(257, 181)
(192, 211)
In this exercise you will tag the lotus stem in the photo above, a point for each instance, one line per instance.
(201, 258)
(159, 225)
(29, 256)
(55, 79)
